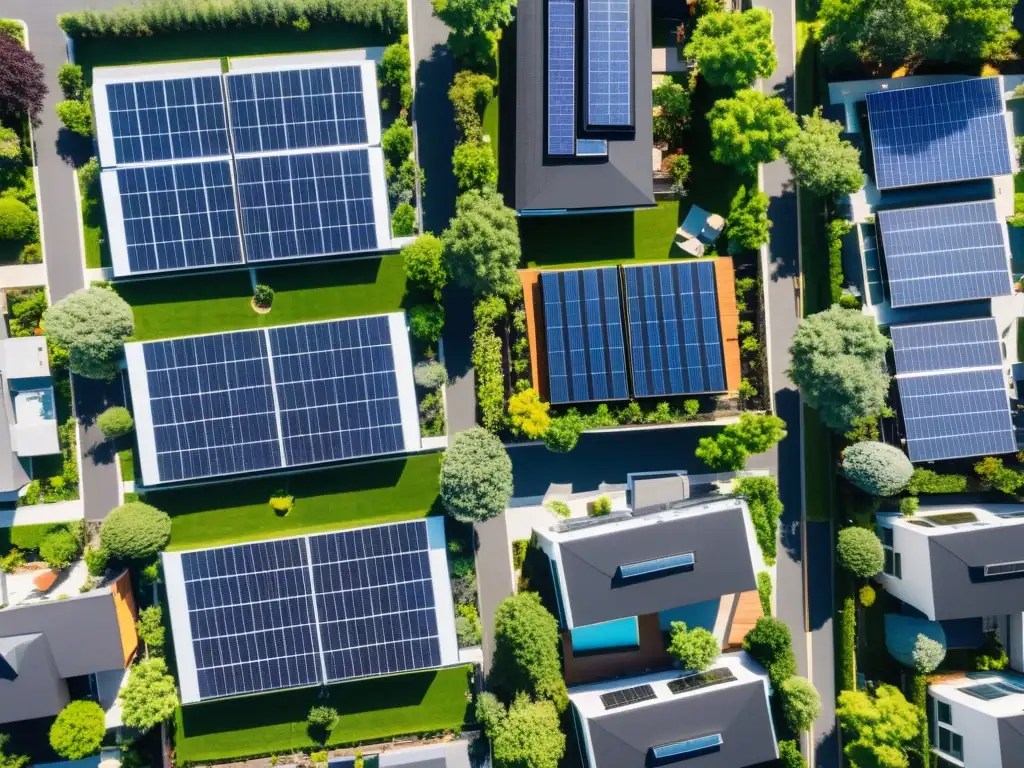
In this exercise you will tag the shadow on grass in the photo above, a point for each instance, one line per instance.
(73, 148)
(170, 290)
(304, 277)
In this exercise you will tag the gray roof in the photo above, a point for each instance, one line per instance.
(623, 179)
(30, 685)
(452, 755)
(621, 738)
(1011, 737)
(718, 540)
(958, 560)
(13, 475)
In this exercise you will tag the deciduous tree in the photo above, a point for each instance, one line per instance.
(22, 85)
(528, 736)
(879, 728)
(748, 221)
(79, 729)
(526, 651)
(749, 129)
(92, 325)
(482, 244)
(150, 696)
(671, 101)
(801, 703)
(822, 163)
(734, 49)
(424, 263)
(473, 26)
(474, 166)
(696, 648)
(476, 476)
(729, 449)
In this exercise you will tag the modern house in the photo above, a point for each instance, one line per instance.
(720, 718)
(977, 719)
(454, 754)
(583, 106)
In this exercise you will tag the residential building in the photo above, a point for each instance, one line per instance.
(453, 754)
(720, 718)
(977, 720)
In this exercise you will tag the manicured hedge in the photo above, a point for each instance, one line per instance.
(849, 642)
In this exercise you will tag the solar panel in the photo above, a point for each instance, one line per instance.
(698, 680)
(561, 76)
(173, 216)
(167, 119)
(626, 696)
(313, 204)
(297, 108)
(591, 148)
(609, 91)
(939, 133)
(674, 333)
(583, 331)
(945, 253)
(984, 691)
(942, 346)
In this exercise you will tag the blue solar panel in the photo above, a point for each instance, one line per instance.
(296, 108)
(179, 216)
(674, 333)
(956, 345)
(583, 331)
(656, 566)
(167, 119)
(314, 204)
(609, 61)
(591, 148)
(939, 133)
(681, 750)
(945, 253)
(561, 76)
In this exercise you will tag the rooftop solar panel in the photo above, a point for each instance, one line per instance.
(583, 332)
(960, 344)
(939, 133)
(609, 64)
(674, 329)
(561, 76)
(945, 253)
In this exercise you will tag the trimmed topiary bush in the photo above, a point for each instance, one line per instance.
(115, 422)
(430, 374)
(860, 552)
(801, 703)
(476, 476)
(877, 468)
(867, 596)
(59, 549)
(17, 220)
(78, 730)
(771, 645)
(135, 531)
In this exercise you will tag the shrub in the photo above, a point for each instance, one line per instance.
(490, 382)
(529, 414)
(10, 147)
(150, 696)
(877, 727)
(322, 717)
(78, 730)
(71, 81)
(396, 142)
(630, 413)
(12, 561)
(282, 503)
(394, 69)
(467, 625)
(837, 230)
(135, 531)
(92, 325)
(927, 654)
(17, 220)
(801, 703)
(424, 263)
(526, 651)
(476, 476)
(728, 450)
(32, 253)
(877, 468)
(927, 481)
(848, 652)
(733, 49)
(263, 296)
(671, 101)
(764, 591)
(482, 246)
(529, 736)
(762, 495)
(474, 166)
(696, 649)
(909, 505)
(997, 477)
(790, 755)
(867, 596)
(519, 547)
(691, 408)
(748, 221)
(560, 508)
(115, 422)
(426, 322)
(564, 433)
(771, 645)
(430, 374)
(469, 95)
(602, 506)
(76, 116)
(403, 220)
(859, 552)
(489, 711)
(59, 549)
(151, 629)
(679, 169)
(22, 85)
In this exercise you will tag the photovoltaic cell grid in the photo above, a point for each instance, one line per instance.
(945, 253)
(167, 119)
(944, 346)
(561, 76)
(296, 109)
(609, 94)
(310, 204)
(178, 216)
(583, 330)
(675, 340)
(939, 133)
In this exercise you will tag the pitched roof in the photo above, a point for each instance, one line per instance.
(30, 684)
(958, 560)
(1011, 737)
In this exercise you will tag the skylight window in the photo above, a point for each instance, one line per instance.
(1003, 569)
(681, 750)
(657, 566)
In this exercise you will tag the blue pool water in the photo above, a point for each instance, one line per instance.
(621, 633)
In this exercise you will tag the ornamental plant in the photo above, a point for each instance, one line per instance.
(135, 531)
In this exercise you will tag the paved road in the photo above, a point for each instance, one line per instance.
(56, 152)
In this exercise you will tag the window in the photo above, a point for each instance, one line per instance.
(893, 564)
(951, 743)
(681, 750)
(887, 537)
(1004, 569)
(945, 713)
(608, 636)
(655, 567)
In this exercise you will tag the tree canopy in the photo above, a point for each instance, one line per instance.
(859, 551)
(150, 695)
(135, 531)
(526, 651)
(529, 414)
(22, 84)
(92, 325)
(771, 645)
(473, 25)
(748, 225)
(482, 244)
(927, 654)
(838, 361)
(671, 102)
(528, 736)
(10, 761)
(877, 468)
(474, 165)
(733, 49)
(696, 649)
(424, 263)
(749, 129)
(801, 703)
(115, 422)
(78, 730)
(476, 476)
(822, 162)
(878, 727)
(753, 433)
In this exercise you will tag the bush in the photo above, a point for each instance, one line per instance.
(519, 547)
(601, 507)
(801, 703)
(482, 245)
(430, 374)
(771, 645)
(424, 263)
(78, 730)
(92, 325)
(135, 531)
(468, 629)
(528, 736)
(263, 296)
(867, 596)
(696, 649)
(748, 221)
(489, 310)
(909, 505)
(426, 322)
(476, 476)
(394, 68)
(469, 95)
(764, 592)
(32, 253)
(115, 422)
(560, 508)
(526, 651)
(150, 696)
(877, 468)
(728, 450)
(997, 477)
(848, 647)
(322, 717)
(927, 654)
(490, 384)
(564, 433)
(12, 561)
(282, 503)
(403, 220)
(679, 169)
(528, 414)
(76, 116)
(396, 142)
(22, 84)
(790, 755)
(474, 166)
(489, 711)
(59, 549)
(927, 481)
(17, 220)
(859, 552)
(762, 495)
(71, 81)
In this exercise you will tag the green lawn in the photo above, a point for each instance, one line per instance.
(179, 306)
(491, 124)
(330, 499)
(369, 710)
(97, 251)
(126, 458)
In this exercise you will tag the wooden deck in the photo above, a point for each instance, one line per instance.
(729, 319)
(746, 610)
(651, 656)
(534, 305)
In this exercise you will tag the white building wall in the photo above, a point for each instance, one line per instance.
(1015, 646)
(980, 731)
(915, 587)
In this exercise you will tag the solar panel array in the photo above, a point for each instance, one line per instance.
(609, 87)
(310, 610)
(624, 697)
(939, 133)
(583, 327)
(674, 333)
(945, 253)
(561, 76)
(952, 390)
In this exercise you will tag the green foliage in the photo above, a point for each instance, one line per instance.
(529, 736)
(908, 506)
(728, 450)
(733, 49)
(771, 645)
(837, 229)
(263, 295)
(927, 481)
(135, 531)
(76, 116)
(696, 649)
(878, 728)
(746, 391)
(150, 696)
(489, 712)
(602, 506)
(560, 508)
(92, 325)
(762, 495)
(424, 263)
(877, 468)
(322, 717)
(17, 220)
(402, 181)
(403, 220)
(748, 221)
(473, 26)
(790, 755)
(764, 591)
(823, 163)
(482, 244)
(151, 629)
(490, 386)
(60, 549)
(476, 476)
(71, 80)
(992, 655)
(749, 129)
(866, 596)
(995, 476)
(78, 730)
(468, 628)
(430, 374)
(801, 703)
(474, 166)
(394, 70)
(115, 422)
(10, 146)
(396, 142)
(10, 761)
(528, 414)
(26, 309)
(526, 651)
(859, 551)
(927, 654)
(564, 433)
(12, 561)
(426, 322)
(519, 546)
(848, 645)
(469, 94)
(671, 101)
(838, 361)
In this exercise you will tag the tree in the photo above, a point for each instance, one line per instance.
(822, 163)
(17, 220)
(482, 244)
(424, 263)
(10, 144)
(321, 721)
(671, 102)
(394, 70)
(887, 33)
(749, 129)
(116, 421)
(877, 468)
(878, 727)
(135, 531)
(76, 116)
(426, 322)
(976, 29)
(927, 654)
(994, 475)
(10, 761)
(78, 730)
(733, 49)
(838, 361)
(748, 221)
(71, 80)
(150, 627)
(150, 696)
(396, 142)
(473, 26)
(430, 374)
(860, 552)
(526, 651)
(529, 736)
(474, 166)
(728, 450)
(771, 645)
(470, 93)
(489, 712)
(695, 648)
(529, 414)
(92, 325)
(22, 85)
(564, 433)
(476, 476)
(790, 755)
(801, 703)
(762, 495)
(59, 549)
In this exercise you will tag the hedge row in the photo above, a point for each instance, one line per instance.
(849, 645)
(163, 16)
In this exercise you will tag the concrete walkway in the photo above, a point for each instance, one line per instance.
(493, 576)
(58, 512)
(22, 275)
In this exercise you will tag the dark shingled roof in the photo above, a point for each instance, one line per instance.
(958, 560)
(622, 180)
